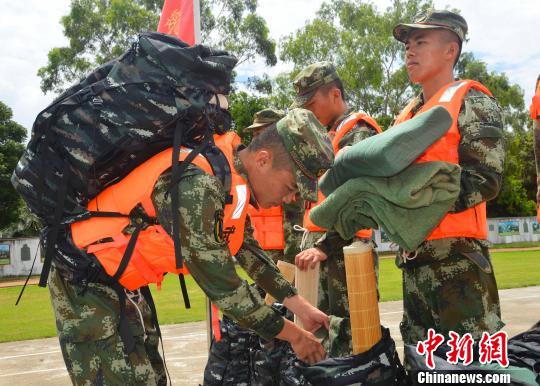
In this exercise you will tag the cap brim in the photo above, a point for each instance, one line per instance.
(301, 100)
(402, 31)
(257, 126)
(306, 186)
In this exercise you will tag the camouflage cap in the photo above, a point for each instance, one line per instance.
(433, 19)
(266, 117)
(310, 79)
(309, 146)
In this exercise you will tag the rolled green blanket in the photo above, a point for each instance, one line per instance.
(408, 205)
(390, 152)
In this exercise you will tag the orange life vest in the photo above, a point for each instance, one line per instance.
(535, 103)
(154, 250)
(535, 115)
(342, 129)
(268, 227)
(471, 222)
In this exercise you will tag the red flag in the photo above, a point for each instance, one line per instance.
(179, 18)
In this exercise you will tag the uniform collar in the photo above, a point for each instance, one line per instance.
(418, 103)
(333, 125)
(240, 169)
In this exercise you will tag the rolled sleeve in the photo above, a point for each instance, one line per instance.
(481, 150)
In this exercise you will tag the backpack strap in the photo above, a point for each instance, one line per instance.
(178, 169)
(52, 233)
(147, 294)
(124, 330)
(221, 169)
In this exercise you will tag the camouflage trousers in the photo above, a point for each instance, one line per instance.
(87, 325)
(457, 293)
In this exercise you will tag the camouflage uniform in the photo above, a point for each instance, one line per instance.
(87, 318)
(87, 324)
(293, 212)
(450, 285)
(333, 297)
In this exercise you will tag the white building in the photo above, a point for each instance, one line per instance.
(16, 256)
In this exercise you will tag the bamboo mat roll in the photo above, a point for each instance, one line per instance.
(362, 291)
(307, 284)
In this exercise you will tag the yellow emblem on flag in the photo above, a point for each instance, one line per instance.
(173, 22)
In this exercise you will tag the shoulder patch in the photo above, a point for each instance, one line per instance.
(218, 225)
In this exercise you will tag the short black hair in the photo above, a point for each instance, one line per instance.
(271, 140)
(335, 83)
(452, 37)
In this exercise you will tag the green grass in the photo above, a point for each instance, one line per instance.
(33, 317)
(521, 244)
(516, 269)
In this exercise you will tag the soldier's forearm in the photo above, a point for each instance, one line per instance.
(477, 186)
(264, 272)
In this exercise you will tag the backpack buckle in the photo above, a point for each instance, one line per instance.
(97, 101)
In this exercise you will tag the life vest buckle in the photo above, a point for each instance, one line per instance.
(139, 216)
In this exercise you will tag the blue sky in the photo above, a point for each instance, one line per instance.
(502, 34)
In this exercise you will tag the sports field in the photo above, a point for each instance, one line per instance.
(33, 317)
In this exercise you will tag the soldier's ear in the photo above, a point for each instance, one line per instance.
(337, 93)
(263, 159)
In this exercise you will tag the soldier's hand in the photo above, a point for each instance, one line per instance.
(305, 345)
(309, 258)
(308, 348)
(312, 318)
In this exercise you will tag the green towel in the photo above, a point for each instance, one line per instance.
(408, 205)
(388, 153)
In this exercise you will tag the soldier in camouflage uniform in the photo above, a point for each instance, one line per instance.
(448, 282)
(292, 212)
(87, 316)
(320, 90)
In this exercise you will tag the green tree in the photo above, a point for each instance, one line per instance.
(12, 138)
(518, 191)
(242, 107)
(358, 39)
(235, 26)
(100, 30)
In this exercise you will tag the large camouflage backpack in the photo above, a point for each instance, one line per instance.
(153, 96)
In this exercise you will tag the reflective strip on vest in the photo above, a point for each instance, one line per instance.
(154, 251)
(471, 222)
(343, 128)
(268, 227)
